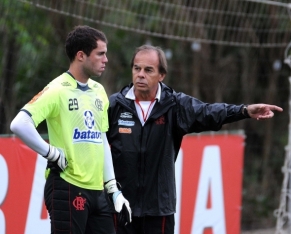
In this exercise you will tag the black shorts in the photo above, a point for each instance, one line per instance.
(149, 225)
(74, 210)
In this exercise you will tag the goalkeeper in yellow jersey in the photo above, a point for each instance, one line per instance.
(78, 154)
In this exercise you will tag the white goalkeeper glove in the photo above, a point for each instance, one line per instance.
(121, 205)
(57, 156)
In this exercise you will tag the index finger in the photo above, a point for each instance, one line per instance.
(276, 108)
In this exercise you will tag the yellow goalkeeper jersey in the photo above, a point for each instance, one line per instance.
(75, 118)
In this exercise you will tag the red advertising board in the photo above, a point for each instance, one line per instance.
(211, 184)
(208, 178)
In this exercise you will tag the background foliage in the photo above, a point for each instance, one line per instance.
(32, 53)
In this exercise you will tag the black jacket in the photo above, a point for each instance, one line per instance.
(144, 156)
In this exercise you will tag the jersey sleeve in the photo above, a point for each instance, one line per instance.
(44, 105)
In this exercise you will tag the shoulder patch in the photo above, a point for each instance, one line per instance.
(37, 95)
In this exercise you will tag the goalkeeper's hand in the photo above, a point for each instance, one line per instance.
(57, 156)
(121, 205)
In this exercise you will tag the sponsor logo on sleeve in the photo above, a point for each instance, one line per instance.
(38, 95)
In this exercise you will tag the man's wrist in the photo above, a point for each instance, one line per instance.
(53, 154)
(111, 186)
(245, 111)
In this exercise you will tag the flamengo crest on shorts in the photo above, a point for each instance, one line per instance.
(79, 203)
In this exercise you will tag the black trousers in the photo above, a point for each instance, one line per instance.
(149, 225)
(75, 210)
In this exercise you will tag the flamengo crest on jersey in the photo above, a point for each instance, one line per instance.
(88, 135)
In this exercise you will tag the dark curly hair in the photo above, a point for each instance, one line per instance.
(83, 38)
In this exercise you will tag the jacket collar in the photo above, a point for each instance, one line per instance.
(164, 90)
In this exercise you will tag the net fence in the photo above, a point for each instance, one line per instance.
(251, 23)
(259, 31)
(227, 22)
